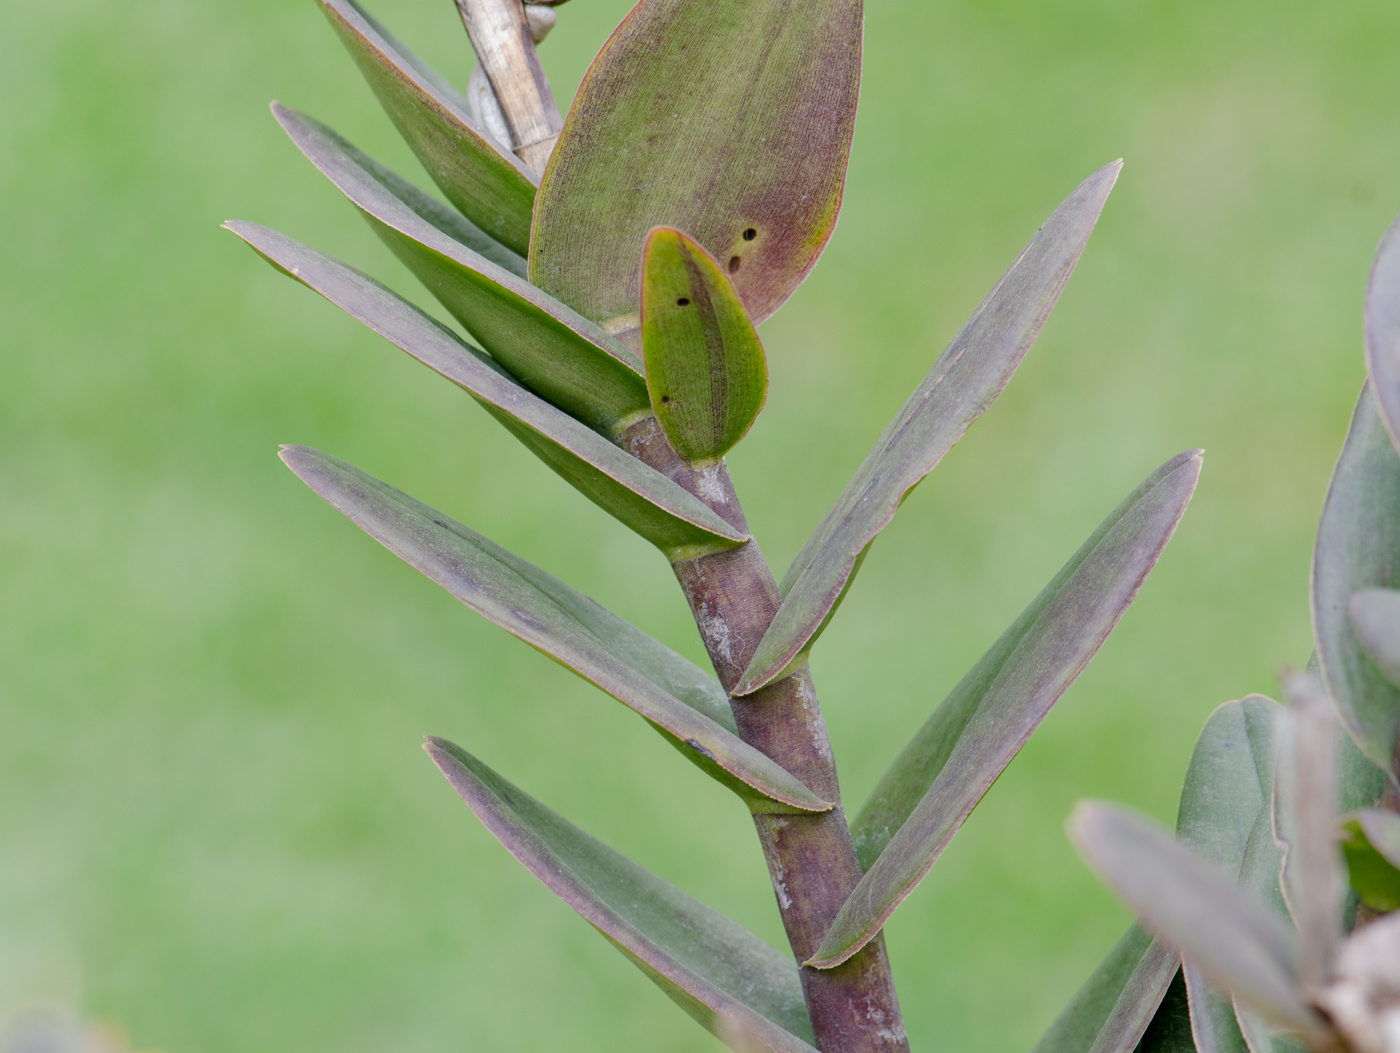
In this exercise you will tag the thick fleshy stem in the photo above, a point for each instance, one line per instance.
(811, 858)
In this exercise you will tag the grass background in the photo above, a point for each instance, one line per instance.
(216, 829)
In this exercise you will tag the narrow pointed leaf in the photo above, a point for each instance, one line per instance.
(1259, 1038)
(1372, 848)
(1383, 329)
(715, 969)
(687, 706)
(1305, 823)
(641, 497)
(1358, 547)
(551, 349)
(965, 380)
(1170, 1029)
(1114, 1007)
(1375, 618)
(493, 189)
(705, 367)
(730, 120)
(1214, 1028)
(1191, 902)
(972, 736)
(1260, 873)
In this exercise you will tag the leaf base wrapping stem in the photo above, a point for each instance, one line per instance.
(811, 858)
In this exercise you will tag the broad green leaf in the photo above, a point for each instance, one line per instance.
(705, 367)
(716, 970)
(1114, 1007)
(1260, 872)
(1226, 794)
(954, 759)
(965, 380)
(1375, 618)
(728, 119)
(1222, 928)
(660, 510)
(1170, 1029)
(1383, 328)
(493, 188)
(1305, 824)
(551, 349)
(1358, 547)
(1371, 844)
(686, 705)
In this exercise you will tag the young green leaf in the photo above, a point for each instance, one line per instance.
(687, 706)
(954, 759)
(1114, 1007)
(494, 189)
(551, 349)
(1357, 543)
(1170, 1028)
(728, 119)
(1191, 902)
(1375, 618)
(1371, 844)
(651, 504)
(716, 970)
(965, 380)
(705, 367)
(1383, 329)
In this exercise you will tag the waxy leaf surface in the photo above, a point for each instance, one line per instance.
(685, 704)
(1375, 618)
(1358, 547)
(494, 189)
(705, 367)
(954, 759)
(641, 497)
(730, 120)
(1383, 329)
(965, 380)
(1223, 928)
(716, 970)
(1372, 848)
(1170, 1029)
(1114, 1007)
(551, 349)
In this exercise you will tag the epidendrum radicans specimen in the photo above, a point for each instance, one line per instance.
(1275, 952)
(611, 268)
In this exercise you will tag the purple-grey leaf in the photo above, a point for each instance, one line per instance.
(716, 970)
(686, 705)
(730, 120)
(1224, 929)
(494, 189)
(954, 759)
(1383, 329)
(550, 348)
(963, 383)
(1375, 618)
(1382, 829)
(1358, 547)
(641, 497)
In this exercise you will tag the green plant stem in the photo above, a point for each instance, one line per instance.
(811, 858)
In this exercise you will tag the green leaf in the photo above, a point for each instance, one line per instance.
(686, 705)
(1259, 1038)
(1358, 547)
(728, 119)
(1116, 1004)
(551, 349)
(1383, 328)
(1371, 845)
(493, 188)
(1375, 618)
(705, 367)
(1170, 1029)
(972, 736)
(717, 971)
(965, 380)
(658, 509)
(1224, 929)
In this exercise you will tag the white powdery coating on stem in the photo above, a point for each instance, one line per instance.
(716, 632)
(776, 870)
(815, 724)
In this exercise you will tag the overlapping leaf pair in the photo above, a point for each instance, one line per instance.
(695, 182)
(1257, 904)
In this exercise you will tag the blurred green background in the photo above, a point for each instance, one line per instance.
(216, 828)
